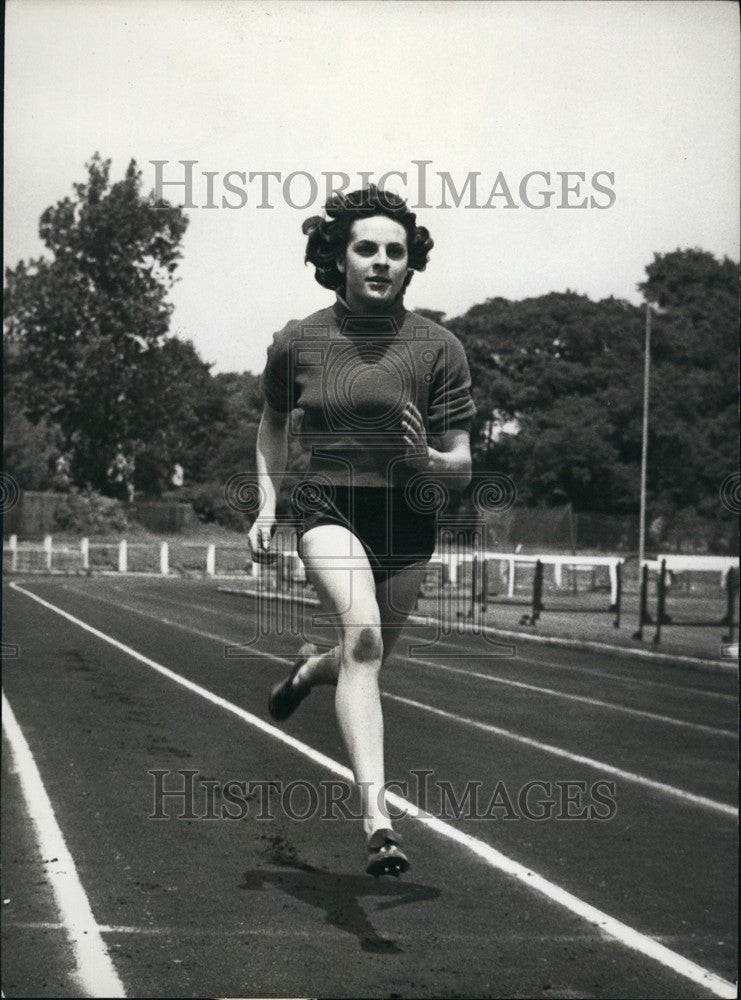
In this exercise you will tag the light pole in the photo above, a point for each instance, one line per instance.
(644, 441)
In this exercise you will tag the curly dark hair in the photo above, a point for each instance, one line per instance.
(328, 238)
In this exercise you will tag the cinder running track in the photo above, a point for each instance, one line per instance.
(108, 680)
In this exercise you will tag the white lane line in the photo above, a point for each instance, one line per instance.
(649, 947)
(598, 703)
(94, 969)
(217, 932)
(675, 689)
(694, 692)
(638, 779)
(613, 928)
(689, 798)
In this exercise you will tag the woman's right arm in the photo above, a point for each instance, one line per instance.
(271, 459)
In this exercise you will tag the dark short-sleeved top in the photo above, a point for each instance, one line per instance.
(345, 379)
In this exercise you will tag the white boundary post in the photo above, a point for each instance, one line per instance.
(557, 578)
(164, 559)
(511, 578)
(14, 552)
(48, 549)
(85, 552)
(122, 556)
(211, 560)
(613, 581)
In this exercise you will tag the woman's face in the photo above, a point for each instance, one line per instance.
(375, 263)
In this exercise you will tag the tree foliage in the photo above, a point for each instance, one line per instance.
(694, 399)
(568, 373)
(86, 324)
(562, 369)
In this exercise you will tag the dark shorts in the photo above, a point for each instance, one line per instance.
(393, 533)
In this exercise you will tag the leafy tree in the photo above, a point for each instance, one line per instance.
(86, 324)
(565, 372)
(568, 375)
(230, 446)
(693, 444)
(31, 451)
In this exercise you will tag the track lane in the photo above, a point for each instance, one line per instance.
(193, 651)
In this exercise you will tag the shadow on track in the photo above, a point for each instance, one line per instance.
(339, 896)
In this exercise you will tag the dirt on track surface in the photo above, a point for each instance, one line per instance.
(271, 904)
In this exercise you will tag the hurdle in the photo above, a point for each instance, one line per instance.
(730, 577)
(644, 618)
(538, 606)
(537, 598)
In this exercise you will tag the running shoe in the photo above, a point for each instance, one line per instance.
(385, 856)
(285, 697)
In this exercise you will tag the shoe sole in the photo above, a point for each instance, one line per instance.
(389, 864)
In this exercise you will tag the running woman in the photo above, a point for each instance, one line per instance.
(380, 397)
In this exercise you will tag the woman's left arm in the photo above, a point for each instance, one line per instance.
(452, 455)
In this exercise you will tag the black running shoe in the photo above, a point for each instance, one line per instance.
(385, 856)
(285, 697)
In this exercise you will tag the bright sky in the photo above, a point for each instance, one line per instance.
(645, 91)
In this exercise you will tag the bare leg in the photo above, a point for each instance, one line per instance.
(360, 718)
(347, 591)
(319, 668)
(396, 598)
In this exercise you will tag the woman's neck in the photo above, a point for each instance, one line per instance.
(364, 308)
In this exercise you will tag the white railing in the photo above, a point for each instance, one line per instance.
(168, 558)
(126, 557)
(453, 561)
(699, 564)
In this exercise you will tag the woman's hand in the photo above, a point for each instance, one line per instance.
(259, 537)
(415, 438)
